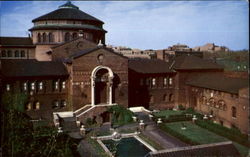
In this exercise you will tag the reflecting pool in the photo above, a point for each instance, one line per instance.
(126, 147)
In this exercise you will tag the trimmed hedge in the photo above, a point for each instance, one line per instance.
(232, 134)
(178, 135)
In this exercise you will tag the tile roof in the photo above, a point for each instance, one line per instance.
(67, 14)
(149, 66)
(190, 62)
(222, 149)
(218, 82)
(32, 68)
(16, 41)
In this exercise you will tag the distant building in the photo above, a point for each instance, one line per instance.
(211, 47)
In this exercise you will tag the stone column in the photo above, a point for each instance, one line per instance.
(110, 84)
(92, 91)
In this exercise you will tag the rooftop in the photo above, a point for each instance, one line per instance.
(218, 82)
(190, 62)
(67, 11)
(32, 68)
(16, 41)
(149, 66)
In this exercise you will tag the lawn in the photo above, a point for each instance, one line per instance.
(167, 113)
(197, 135)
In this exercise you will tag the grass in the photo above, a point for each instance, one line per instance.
(197, 135)
(150, 142)
(167, 113)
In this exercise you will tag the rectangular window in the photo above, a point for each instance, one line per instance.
(211, 94)
(63, 85)
(165, 81)
(25, 86)
(7, 87)
(32, 86)
(153, 81)
(40, 85)
(55, 85)
(170, 81)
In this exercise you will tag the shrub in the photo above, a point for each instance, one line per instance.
(232, 134)
(120, 115)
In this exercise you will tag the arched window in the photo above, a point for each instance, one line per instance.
(221, 104)
(171, 97)
(17, 54)
(234, 112)
(44, 37)
(74, 35)
(63, 103)
(165, 97)
(55, 104)
(4, 53)
(212, 102)
(67, 36)
(51, 37)
(9, 53)
(203, 100)
(39, 38)
(36, 105)
(22, 53)
(28, 106)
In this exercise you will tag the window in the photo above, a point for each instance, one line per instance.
(165, 97)
(7, 87)
(55, 85)
(55, 104)
(9, 53)
(50, 37)
(170, 81)
(36, 105)
(17, 53)
(63, 103)
(234, 112)
(39, 38)
(211, 94)
(67, 36)
(153, 82)
(74, 35)
(40, 87)
(171, 97)
(28, 106)
(32, 86)
(25, 86)
(165, 81)
(44, 37)
(4, 53)
(22, 53)
(63, 85)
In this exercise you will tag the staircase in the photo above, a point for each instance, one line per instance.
(70, 121)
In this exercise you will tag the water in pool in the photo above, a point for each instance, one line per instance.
(127, 147)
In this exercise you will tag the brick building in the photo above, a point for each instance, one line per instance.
(64, 72)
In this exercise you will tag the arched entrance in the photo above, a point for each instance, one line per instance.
(101, 85)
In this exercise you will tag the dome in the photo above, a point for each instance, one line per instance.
(67, 11)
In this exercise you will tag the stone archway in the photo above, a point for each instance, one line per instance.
(101, 85)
